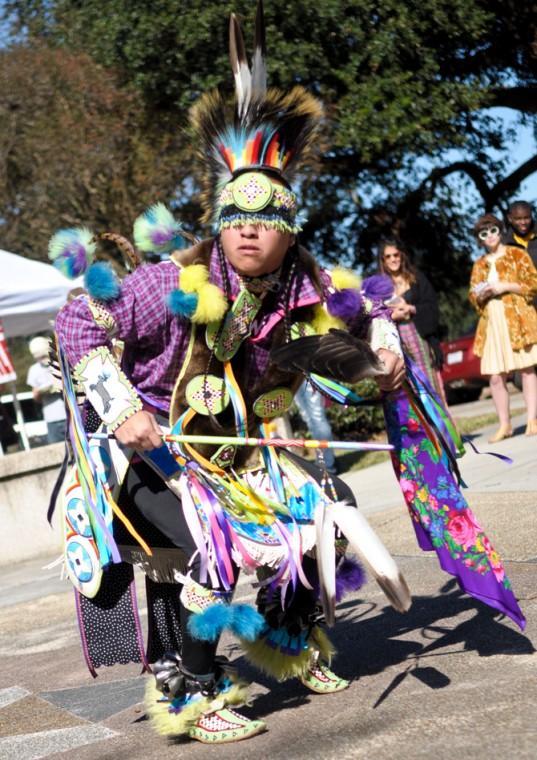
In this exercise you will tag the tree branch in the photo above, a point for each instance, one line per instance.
(491, 194)
(510, 183)
(519, 98)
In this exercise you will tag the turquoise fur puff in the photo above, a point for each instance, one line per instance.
(101, 282)
(182, 304)
(241, 619)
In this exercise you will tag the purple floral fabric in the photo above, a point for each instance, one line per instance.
(440, 514)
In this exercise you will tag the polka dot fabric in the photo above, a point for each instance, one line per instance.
(109, 623)
(163, 609)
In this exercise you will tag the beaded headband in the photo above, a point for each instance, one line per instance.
(253, 198)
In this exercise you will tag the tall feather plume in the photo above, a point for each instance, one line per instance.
(277, 131)
(259, 65)
(239, 66)
(263, 129)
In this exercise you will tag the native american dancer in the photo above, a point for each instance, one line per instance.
(209, 346)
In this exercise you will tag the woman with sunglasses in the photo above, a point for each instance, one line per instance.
(502, 286)
(415, 310)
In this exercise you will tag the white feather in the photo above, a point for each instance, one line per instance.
(370, 549)
(243, 88)
(326, 559)
(259, 65)
(239, 66)
(259, 73)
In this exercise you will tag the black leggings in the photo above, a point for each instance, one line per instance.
(157, 515)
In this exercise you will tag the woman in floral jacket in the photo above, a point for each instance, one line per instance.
(502, 286)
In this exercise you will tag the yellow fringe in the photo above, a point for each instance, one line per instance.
(283, 666)
(173, 724)
(212, 304)
(322, 321)
(344, 278)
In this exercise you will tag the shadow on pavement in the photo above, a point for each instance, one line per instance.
(369, 643)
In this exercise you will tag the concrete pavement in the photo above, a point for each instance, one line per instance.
(449, 678)
(377, 489)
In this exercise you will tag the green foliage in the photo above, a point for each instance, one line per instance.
(400, 81)
(351, 423)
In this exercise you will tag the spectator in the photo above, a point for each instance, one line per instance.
(521, 230)
(415, 309)
(310, 406)
(502, 286)
(8, 436)
(46, 390)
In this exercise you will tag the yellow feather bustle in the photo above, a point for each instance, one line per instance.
(322, 321)
(342, 279)
(212, 305)
(193, 277)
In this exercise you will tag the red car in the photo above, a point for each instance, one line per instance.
(461, 372)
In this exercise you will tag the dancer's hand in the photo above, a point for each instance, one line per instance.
(140, 432)
(403, 311)
(394, 373)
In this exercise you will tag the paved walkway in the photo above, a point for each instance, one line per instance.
(377, 489)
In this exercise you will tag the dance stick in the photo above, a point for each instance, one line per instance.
(223, 440)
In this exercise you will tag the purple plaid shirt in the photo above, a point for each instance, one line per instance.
(155, 339)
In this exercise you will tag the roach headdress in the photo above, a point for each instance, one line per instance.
(249, 151)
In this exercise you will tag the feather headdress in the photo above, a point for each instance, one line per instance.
(265, 130)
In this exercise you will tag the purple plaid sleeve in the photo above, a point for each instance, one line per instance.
(155, 340)
(77, 331)
(138, 314)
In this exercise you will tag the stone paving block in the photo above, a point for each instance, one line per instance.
(12, 694)
(35, 746)
(33, 714)
(100, 700)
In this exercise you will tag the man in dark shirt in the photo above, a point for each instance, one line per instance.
(521, 229)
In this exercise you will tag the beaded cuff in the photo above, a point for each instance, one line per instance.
(107, 387)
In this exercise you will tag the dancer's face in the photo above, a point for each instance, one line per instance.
(392, 259)
(254, 250)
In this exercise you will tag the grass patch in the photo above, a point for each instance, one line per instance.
(468, 425)
(359, 460)
(368, 459)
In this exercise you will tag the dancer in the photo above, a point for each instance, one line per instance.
(214, 342)
(197, 332)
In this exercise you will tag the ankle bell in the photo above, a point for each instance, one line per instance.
(174, 680)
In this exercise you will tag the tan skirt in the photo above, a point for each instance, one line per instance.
(498, 355)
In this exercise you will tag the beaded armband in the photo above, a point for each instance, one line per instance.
(197, 598)
(107, 387)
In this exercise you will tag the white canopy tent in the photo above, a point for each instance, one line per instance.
(31, 294)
